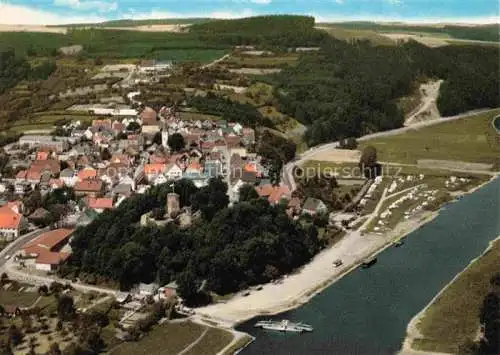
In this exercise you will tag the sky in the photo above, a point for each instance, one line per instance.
(418, 11)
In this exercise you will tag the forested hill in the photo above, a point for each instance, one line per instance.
(278, 31)
(14, 69)
(351, 89)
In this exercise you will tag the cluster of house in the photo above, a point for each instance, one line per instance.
(111, 159)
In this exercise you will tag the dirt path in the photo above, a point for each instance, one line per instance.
(427, 109)
(193, 344)
(224, 57)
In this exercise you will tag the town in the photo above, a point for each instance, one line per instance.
(161, 187)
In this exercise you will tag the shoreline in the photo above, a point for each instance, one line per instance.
(240, 309)
(412, 331)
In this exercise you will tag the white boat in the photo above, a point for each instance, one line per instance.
(284, 326)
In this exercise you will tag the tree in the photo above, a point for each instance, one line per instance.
(54, 349)
(368, 162)
(247, 192)
(15, 335)
(211, 199)
(176, 142)
(133, 126)
(65, 307)
(105, 154)
(157, 139)
(349, 143)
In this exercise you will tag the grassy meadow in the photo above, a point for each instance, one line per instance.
(472, 139)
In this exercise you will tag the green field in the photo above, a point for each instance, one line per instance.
(453, 318)
(214, 341)
(171, 338)
(115, 44)
(471, 139)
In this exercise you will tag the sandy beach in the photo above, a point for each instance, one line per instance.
(311, 279)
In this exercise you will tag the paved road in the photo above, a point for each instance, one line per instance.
(287, 173)
(8, 266)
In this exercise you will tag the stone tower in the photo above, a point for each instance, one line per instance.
(173, 204)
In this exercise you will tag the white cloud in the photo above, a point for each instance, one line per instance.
(340, 2)
(22, 15)
(261, 2)
(394, 2)
(98, 5)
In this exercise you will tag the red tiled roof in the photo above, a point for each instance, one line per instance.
(52, 258)
(99, 203)
(101, 123)
(154, 168)
(87, 173)
(49, 164)
(42, 156)
(89, 185)
(9, 219)
(21, 174)
(47, 241)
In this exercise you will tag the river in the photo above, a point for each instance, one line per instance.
(367, 311)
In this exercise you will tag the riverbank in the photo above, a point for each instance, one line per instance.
(449, 301)
(313, 278)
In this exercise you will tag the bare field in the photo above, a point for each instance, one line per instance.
(338, 156)
(152, 28)
(32, 28)
(425, 40)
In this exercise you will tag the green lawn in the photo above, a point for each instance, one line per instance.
(453, 318)
(168, 338)
(471, 139)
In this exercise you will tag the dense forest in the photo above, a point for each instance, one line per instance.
(228, 248)
(230, 110)
(14, 69)
(351, 89)
(276, 31)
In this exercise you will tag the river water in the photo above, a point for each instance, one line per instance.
(367, 311)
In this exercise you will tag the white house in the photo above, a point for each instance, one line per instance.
(173, 172)
(69, 177)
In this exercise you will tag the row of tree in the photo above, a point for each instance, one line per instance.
(225, 250)
(230, 110)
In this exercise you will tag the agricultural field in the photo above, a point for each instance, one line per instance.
(472, 139)
(115, 44)
(172, 338)
(193, 116)
(357, 34)
(264, 61)
(453, 318)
